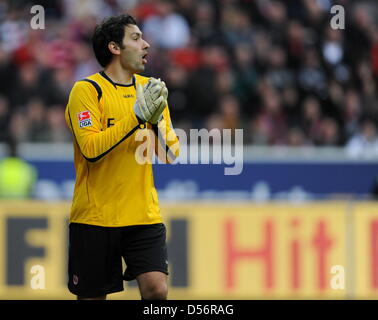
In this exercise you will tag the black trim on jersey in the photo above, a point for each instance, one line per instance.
(168, 151)
(115, 84)
(111, 148)
(97, 87)
(86, 182)
(141, 122)
(106, 152)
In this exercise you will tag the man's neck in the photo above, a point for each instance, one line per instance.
(119, 75)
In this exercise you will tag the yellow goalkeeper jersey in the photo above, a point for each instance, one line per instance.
(112, 188)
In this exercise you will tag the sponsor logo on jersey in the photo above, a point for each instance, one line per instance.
(128, 96)
(84, 119)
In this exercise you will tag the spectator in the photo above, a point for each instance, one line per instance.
(7, 70)
(245, 75)
(295, 42)
(224, 82)
(57, 125)
(85, 64)
(271, 121)
(205, 29)
(296, 137)
(365, 142)
(29, 82)
(202, 92)
(332, 47)
(236, 26)
(177, 79)
(368, 87)
(37, 120)
(230, 112)
(312, 77)
(278, 74)
(13, 31)
(351, 113)
(358, 31)
(330, 133)
(166, 29)
(291, 105)
(312, 118)
(5, 116)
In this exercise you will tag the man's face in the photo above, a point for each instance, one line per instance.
(133, 56)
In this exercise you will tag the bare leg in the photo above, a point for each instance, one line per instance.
(153, 285)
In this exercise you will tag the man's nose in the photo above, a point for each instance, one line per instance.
(146, 44)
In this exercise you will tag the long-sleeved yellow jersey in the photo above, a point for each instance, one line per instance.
(112, 188)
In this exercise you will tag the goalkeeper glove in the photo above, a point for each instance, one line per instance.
(148, 99)
(158, 115)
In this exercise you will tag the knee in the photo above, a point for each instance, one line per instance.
(155, 292)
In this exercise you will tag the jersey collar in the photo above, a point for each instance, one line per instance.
(115, 84)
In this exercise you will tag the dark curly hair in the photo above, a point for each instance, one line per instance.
(111, 29)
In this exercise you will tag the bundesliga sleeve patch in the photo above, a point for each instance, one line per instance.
(84, 119)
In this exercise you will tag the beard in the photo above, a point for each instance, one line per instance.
(132, 63)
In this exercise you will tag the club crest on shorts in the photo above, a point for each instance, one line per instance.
(84, 119)
(75, 279)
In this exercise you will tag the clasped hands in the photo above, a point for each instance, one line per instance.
(151, 100)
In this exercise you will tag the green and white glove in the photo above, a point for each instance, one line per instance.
(158, 115)
(149, 99)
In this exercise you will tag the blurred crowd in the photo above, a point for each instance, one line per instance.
(273, 68)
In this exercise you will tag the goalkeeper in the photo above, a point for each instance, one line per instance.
(115, 212)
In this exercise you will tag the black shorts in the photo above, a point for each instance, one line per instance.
(95, 256)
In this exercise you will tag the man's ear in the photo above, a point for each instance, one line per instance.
(114, 48)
